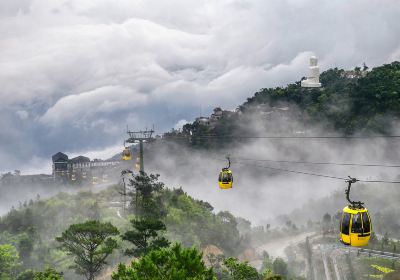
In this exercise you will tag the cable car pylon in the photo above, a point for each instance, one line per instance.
(140, 137)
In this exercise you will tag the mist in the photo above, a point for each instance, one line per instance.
(260, 194)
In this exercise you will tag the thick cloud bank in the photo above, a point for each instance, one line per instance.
(74, 73)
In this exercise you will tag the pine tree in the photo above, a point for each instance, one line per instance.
(145, 237)
(90, 243)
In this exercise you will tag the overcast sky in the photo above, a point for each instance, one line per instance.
(74, 73)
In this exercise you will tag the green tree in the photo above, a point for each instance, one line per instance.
(90, 243)
(26, 242)
(146, 198)
(266, 266)
(279, 266)
(240, 270)
(9, 261)
(173, 263)
(26, 275)
(144, 237)
(48, 274)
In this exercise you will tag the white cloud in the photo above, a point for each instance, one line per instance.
(99, 153)
(77, 66)
(180, 124)
(87, 105)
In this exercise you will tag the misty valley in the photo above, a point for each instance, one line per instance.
(160, 209)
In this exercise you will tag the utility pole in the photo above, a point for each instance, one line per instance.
(140, 137)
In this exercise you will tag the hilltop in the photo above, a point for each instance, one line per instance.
(359, 101)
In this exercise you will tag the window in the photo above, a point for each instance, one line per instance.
(356, 224)
(345, 223)
(225, 177)
(366, 223)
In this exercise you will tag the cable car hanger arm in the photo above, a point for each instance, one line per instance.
(355, 204)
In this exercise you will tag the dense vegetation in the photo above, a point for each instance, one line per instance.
(349, 102)
(358, 102)
(80, 232)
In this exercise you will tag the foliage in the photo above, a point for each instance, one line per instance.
(192, 223)
(33, 227)
(279, 266)
(90, 243)
(266, 266)
(146, 198)
(48, 274)
(9, 261)
(240, 270)
(26, 275)
(167, 263)
(349, 102)
(144, 236)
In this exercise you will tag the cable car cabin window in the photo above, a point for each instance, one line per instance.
(356, 224)
(345, 223)
(225, 177)
(366, 222)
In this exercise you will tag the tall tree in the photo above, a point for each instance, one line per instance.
(9, 261)
(146, 198)
(90, 243)
(240, 270)
(145, 236)
(166, 263)
(279, 266)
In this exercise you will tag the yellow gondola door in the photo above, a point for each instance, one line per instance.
(345, 228)
(360, 229)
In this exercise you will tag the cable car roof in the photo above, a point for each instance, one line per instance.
(349, 210)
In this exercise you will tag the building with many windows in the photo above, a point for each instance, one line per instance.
(81, 168)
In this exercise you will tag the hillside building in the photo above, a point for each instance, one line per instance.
(81, 168)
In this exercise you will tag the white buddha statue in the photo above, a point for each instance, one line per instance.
(312, 80)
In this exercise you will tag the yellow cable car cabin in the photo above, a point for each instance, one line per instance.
(225, 179)
(355, 226)
(126, 154)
